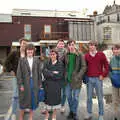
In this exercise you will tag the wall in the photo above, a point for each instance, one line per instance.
(81, 31)
(115, 32)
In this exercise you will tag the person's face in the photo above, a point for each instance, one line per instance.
(71, 47)
(116, 51)
(60, 44)
(53, 56)
(92, 47)
(30, 52)
(23, 44)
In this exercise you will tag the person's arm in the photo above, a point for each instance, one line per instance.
(39, 72)
(59, 73)
(83, 67)
(8, 64)
(106, 66)
(19, 75)
(110, 68)
(47, 73)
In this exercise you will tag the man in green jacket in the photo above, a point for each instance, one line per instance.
(75, 68)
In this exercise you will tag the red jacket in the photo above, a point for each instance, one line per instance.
(97, 65)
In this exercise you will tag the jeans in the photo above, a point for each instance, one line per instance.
(73, 98)
(116, 100)
(63, 96)
(94, 82)
(14, 96)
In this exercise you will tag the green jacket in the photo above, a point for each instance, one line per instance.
(78, 72)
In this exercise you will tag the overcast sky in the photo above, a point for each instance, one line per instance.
(6, 6)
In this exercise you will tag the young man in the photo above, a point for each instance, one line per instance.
(61, 57)
(115, 78)
(97, 69)
(75, 68)
(10, 65)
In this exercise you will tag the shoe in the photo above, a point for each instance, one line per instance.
(53, 118)
(115, 119)
(45, 119)
(100, 117)
(46, 116)
(88, 117)
(70, 116)
(75, 117)
(13, 117)
(62, 110)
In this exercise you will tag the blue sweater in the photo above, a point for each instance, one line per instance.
(115, 65)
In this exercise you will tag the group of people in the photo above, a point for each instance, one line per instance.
(63, 72)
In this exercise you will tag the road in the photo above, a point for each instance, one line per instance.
(6, 93)
(5, 96)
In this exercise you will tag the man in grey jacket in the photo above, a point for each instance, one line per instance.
(10, 65)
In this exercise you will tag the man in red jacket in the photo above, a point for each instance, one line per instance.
(97, 69)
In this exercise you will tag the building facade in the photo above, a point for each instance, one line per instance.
(36, 25)
(107, 24)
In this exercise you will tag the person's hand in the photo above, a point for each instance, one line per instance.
(101, 77)
(22, 88)
(12, 73)
(40, 86)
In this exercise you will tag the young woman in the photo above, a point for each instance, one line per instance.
(29, 81)
(115, 79)
(60, 47)
(53, 72)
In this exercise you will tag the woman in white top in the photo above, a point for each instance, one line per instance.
(29, 81)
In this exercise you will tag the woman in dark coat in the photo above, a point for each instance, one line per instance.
(53, 73)
(29, 81)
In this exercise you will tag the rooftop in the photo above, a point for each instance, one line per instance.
(5, 18)
(109, 9)
(47, 13)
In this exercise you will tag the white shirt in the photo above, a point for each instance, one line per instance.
(1, 68)
(30, 61)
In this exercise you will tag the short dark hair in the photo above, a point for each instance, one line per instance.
(93, 42)
(60, 40)
(70, 41)
(54, 50)
(22, 39)
(117, 46)
(29, 46)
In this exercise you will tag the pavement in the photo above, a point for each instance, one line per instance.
(6, 95)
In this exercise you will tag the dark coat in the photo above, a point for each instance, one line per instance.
(23, 78)
(11, 62)
(53, 82)
(80, 69)
(61, 57)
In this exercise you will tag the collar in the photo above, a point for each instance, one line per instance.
(93, 53)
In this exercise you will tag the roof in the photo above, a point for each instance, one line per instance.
(47, 13)
(6, 18)
(111, 8)
(79, 20)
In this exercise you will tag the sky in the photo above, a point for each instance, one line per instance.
(6, 6)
